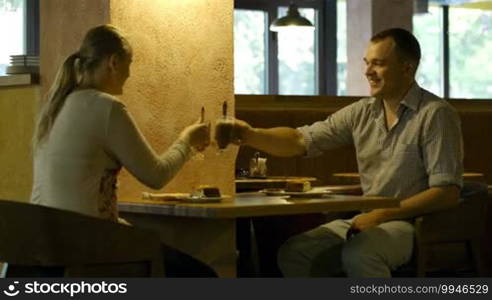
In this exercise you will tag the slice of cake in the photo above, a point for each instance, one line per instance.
(298, 186)
(206, 191)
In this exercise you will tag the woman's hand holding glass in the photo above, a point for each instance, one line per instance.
(197, 136)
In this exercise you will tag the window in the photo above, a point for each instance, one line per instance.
(297, 58)
(250, 72)
(470, 48)
(341, 47)
(19, 29)
(428, 30)
(457, 65)
(12, 30)
(284, 63)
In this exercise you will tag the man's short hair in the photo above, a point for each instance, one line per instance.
(407, 46)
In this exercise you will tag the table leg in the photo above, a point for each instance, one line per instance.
(212, 241)
(246, 245)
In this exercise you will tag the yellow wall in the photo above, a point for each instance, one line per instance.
(183, 60)
(17, 114)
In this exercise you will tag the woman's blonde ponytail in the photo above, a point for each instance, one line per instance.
(99, 42)
(65, 83)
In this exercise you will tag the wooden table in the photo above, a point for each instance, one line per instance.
(252, 184)
(208, 231)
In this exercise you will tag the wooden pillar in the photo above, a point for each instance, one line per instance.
(364, 19)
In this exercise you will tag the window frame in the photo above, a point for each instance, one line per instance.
(445, 51)
(446, 65)
(32, 27)
(446, 80)
(326, 50)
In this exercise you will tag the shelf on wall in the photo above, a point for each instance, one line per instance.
(18, 79)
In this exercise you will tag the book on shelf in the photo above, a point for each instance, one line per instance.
(35, 64)
(24, 60)
(24, 56)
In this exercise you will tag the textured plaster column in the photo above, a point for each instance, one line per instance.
(183, 60)
(364, 19)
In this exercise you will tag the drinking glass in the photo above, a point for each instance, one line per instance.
(224, 132)
(195, 154)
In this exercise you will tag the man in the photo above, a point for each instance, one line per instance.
(408, 144)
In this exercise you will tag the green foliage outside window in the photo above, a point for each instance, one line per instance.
(10, 5)
(470, 46)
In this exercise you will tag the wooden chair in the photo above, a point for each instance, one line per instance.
(462, 224)
(82, 246)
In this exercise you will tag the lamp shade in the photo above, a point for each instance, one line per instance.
(293, 19)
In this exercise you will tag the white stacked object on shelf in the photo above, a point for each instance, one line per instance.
(22, 64)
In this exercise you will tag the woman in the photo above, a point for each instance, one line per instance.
(85, 135)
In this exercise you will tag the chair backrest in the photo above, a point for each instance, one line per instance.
(34, 235)
(463, 224)
(466, 221)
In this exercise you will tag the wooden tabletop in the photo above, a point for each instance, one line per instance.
(243, 184)
(257, 204)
